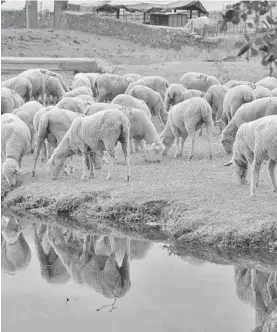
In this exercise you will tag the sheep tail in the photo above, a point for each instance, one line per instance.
(42, 128)
(167, 101)
(29, 92)
(125, 131)
(95, 88)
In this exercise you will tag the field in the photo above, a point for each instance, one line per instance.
(193, 201)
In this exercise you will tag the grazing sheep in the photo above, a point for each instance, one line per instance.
(215, 97)
(97, 107)
(92, 77)
(198, 81)
(231, 84)
(156, 83)
(73, 104)
(10, 100)
(100, 131)
(268, 82)
(152, 99)
(132, 102)
(173, 95)
(184, 119)
(108, 86)
(274, 93)
(53, 125)
(83, 90)
(248, 112)
(26, 113)
(234, 98)
(54, 88)
(80, 80)
(21, 85)
(255, 142)
(135, 77)
(15, 143)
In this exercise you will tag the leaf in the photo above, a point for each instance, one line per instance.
(238, 44)
(267, 39)
(247, 38)
(262, 30)
(270, 20)
(229, 15)
(263, 10)
(244, 48)
(250, 25)
(266, 60)
(243, 16)
(236, 20)
(254, 51)
(258, 41)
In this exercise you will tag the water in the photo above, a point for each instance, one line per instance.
(166, 292)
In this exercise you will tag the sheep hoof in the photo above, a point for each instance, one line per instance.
(127, 178)
(83, 177)
(190, 157)
(108, 177)
(211, 157)
(33, 174)
(177, 155)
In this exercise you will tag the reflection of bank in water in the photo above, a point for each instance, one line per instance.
(259, 289)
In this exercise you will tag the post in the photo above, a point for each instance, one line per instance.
(31, 14)
(59, 6)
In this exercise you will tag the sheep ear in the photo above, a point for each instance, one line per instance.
(229, 163)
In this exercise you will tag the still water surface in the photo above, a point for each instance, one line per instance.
(165, 292)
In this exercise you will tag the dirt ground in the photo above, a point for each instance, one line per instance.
(195, 201)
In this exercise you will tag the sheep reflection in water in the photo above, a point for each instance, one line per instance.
(259, 289)
(15, 251)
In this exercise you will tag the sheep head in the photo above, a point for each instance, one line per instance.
(241, 168)
(11, 170)
(227, 142)
(154, 152)
(56, 164)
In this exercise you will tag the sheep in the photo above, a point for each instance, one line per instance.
(173, 95)
(234, 98)
(54, 88)
(73, 104)
(86, 98)
(53, 125)
(21, 85)
(80, 80)
(184, 119)
(132, 102)
(141, 128)
(15, 143)
(231, 84)
(92, 77)
(215, 97)
(135, 77)
(83, 90)
(261, 92)
(26, 113)
(152, 99)
(274, 93)
(156, 83)
(198, 81)
(108, 86)
(255, 141)
(248, 112)
(268, 82)
(100, 131)
(10, 100)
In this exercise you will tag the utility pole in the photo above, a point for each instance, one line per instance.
(31, 14)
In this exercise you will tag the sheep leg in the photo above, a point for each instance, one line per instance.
(125, 148)
(36, 154)
(200, 132)
(111, 163)
(255, 169)
(91, 157)
(192, 145)
(71, 166)
(132, 148)
(86, 169)
(177, 155)
(209, 131)
(271, 169)
(42, 93)
(181, 144)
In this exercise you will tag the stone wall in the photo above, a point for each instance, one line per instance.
(13, 19)
(162, 37)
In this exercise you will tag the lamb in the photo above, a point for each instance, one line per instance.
(184, 119)
(156, 83)
(73, 104)
(255, 141)
(152, 99)
(26, 113)
(248, 112)
(274, 92)
(54, 88)
(83, 90)
(10, 100)
(53, 125)
(21, 85)
(261, 92)
(231, 84)
(80, 80)
(215, 97)
(100, 131)
(198, 81)
(268, 82)
(15, 143)
(234, 98)
(132, 102)
(108, 86)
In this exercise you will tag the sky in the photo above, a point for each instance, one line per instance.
(49, 4)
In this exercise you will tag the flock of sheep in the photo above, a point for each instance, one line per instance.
(98, 110)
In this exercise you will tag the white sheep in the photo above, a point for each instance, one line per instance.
(21, 85)
(83, 90)
(184, 119)
(231, 84)
(26, 113)
(234, 98)
(198, 81)
(274, 93)
(156, 83)
(54, 88)
(152, 99)
(100, 131)
(73, 104)
(268, 82)
(108, 86)
(255, 141)
(92, 77)
(97, 107)
(132, 102)
(53, 125)
(10, 100)
(15, 143)
(173, 95)
(86, 98)
(248, 112)
(80, 80)
(261, 92)
(215, 96)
